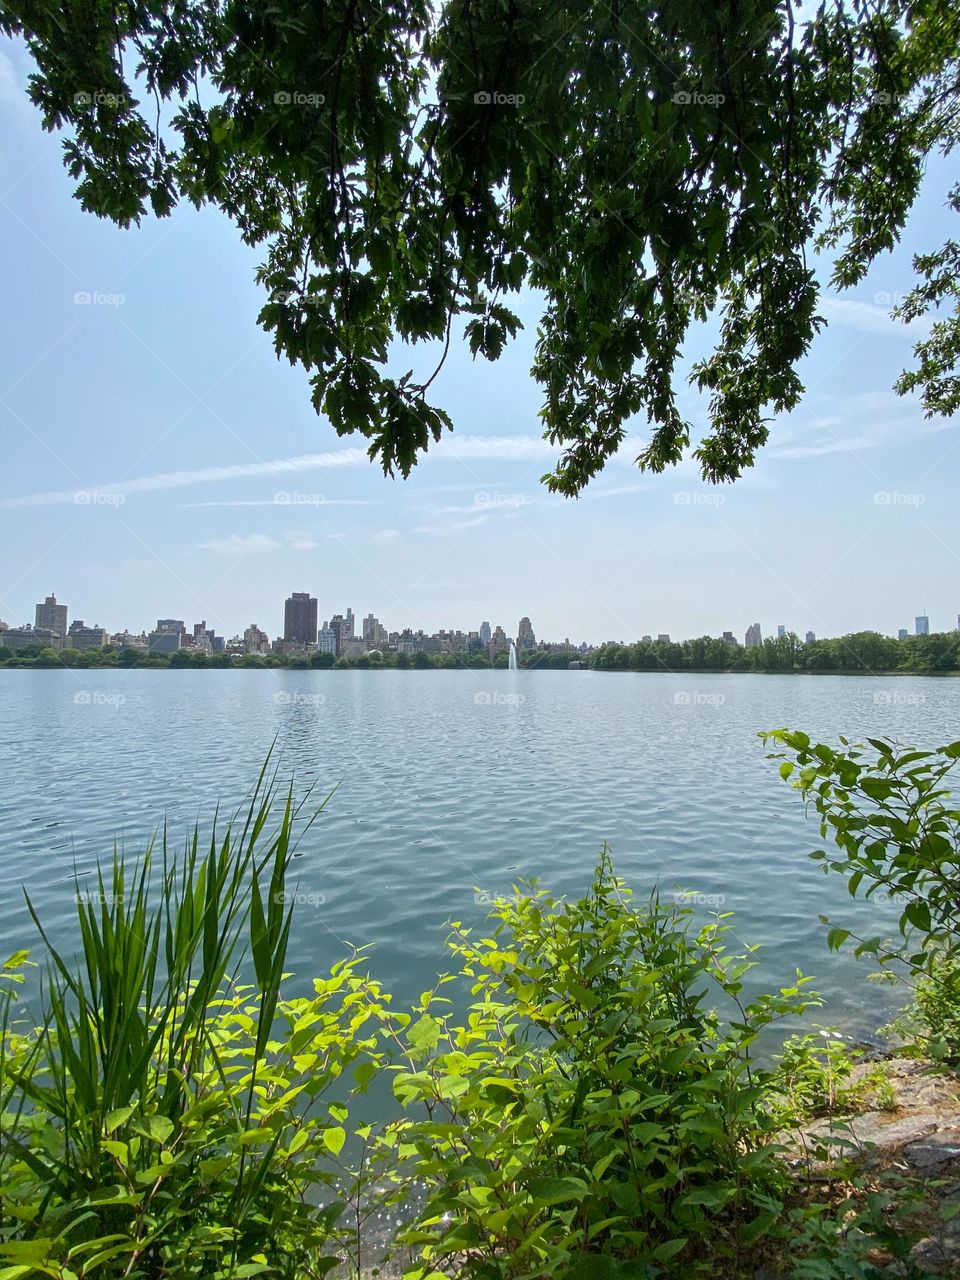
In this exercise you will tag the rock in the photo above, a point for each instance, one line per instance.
(933, 1152)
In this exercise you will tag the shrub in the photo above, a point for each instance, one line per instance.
(814, 1069)
(593, 1116)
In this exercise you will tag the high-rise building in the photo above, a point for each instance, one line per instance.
(81, 638)
(729, 638)
(374, 632)
(781, 631)
(338, 625)
(327, 640)
(350, 626)
(484, 633)
(958, 621)
(300, 618)
(525, 637)
(902, 633)
(663, 637)
(498, 643)
(809, 638)
(164, 641)
(52, 616)
(921, 625)
(255, 640)
(753, 639)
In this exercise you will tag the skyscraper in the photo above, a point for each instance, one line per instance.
(300, 618)
(921, 625)
(351, 626)
(902, 633)
(525, 637)
(484, 633)
(809, 638)
(753, 639)
(53, 616)
(374, 632)
(781, 631)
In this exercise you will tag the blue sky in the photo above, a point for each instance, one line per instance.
(213, 490)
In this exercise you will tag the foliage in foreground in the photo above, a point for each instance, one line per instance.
(594, 1115)
(597, 1112)
(168, 1119)
(407, 169)
(891, 814)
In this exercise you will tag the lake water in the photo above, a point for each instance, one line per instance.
(453, 781)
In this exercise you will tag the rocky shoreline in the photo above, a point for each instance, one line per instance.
(914, 1134)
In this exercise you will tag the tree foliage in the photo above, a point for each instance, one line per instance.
(407, 168)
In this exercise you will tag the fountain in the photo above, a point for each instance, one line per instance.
(513, 657)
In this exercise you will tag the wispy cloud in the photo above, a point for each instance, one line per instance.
(454, 526)
(238, 544)
(465, 449)
(870, 317)
(316, 500)
(820, 448)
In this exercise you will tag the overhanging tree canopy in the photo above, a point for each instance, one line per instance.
(408, 167)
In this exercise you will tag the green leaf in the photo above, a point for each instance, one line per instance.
(548, 1191)
(159, 1128)
(334, 1138)
(114, 1119)
(918, 914)
(424, 1035)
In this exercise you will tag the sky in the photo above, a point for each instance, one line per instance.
(159, 461)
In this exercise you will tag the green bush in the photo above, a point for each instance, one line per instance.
(593, 1116)
(813, 1075)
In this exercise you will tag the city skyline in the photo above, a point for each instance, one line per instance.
(304, 623)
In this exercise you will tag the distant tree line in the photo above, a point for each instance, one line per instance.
(862, 653)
